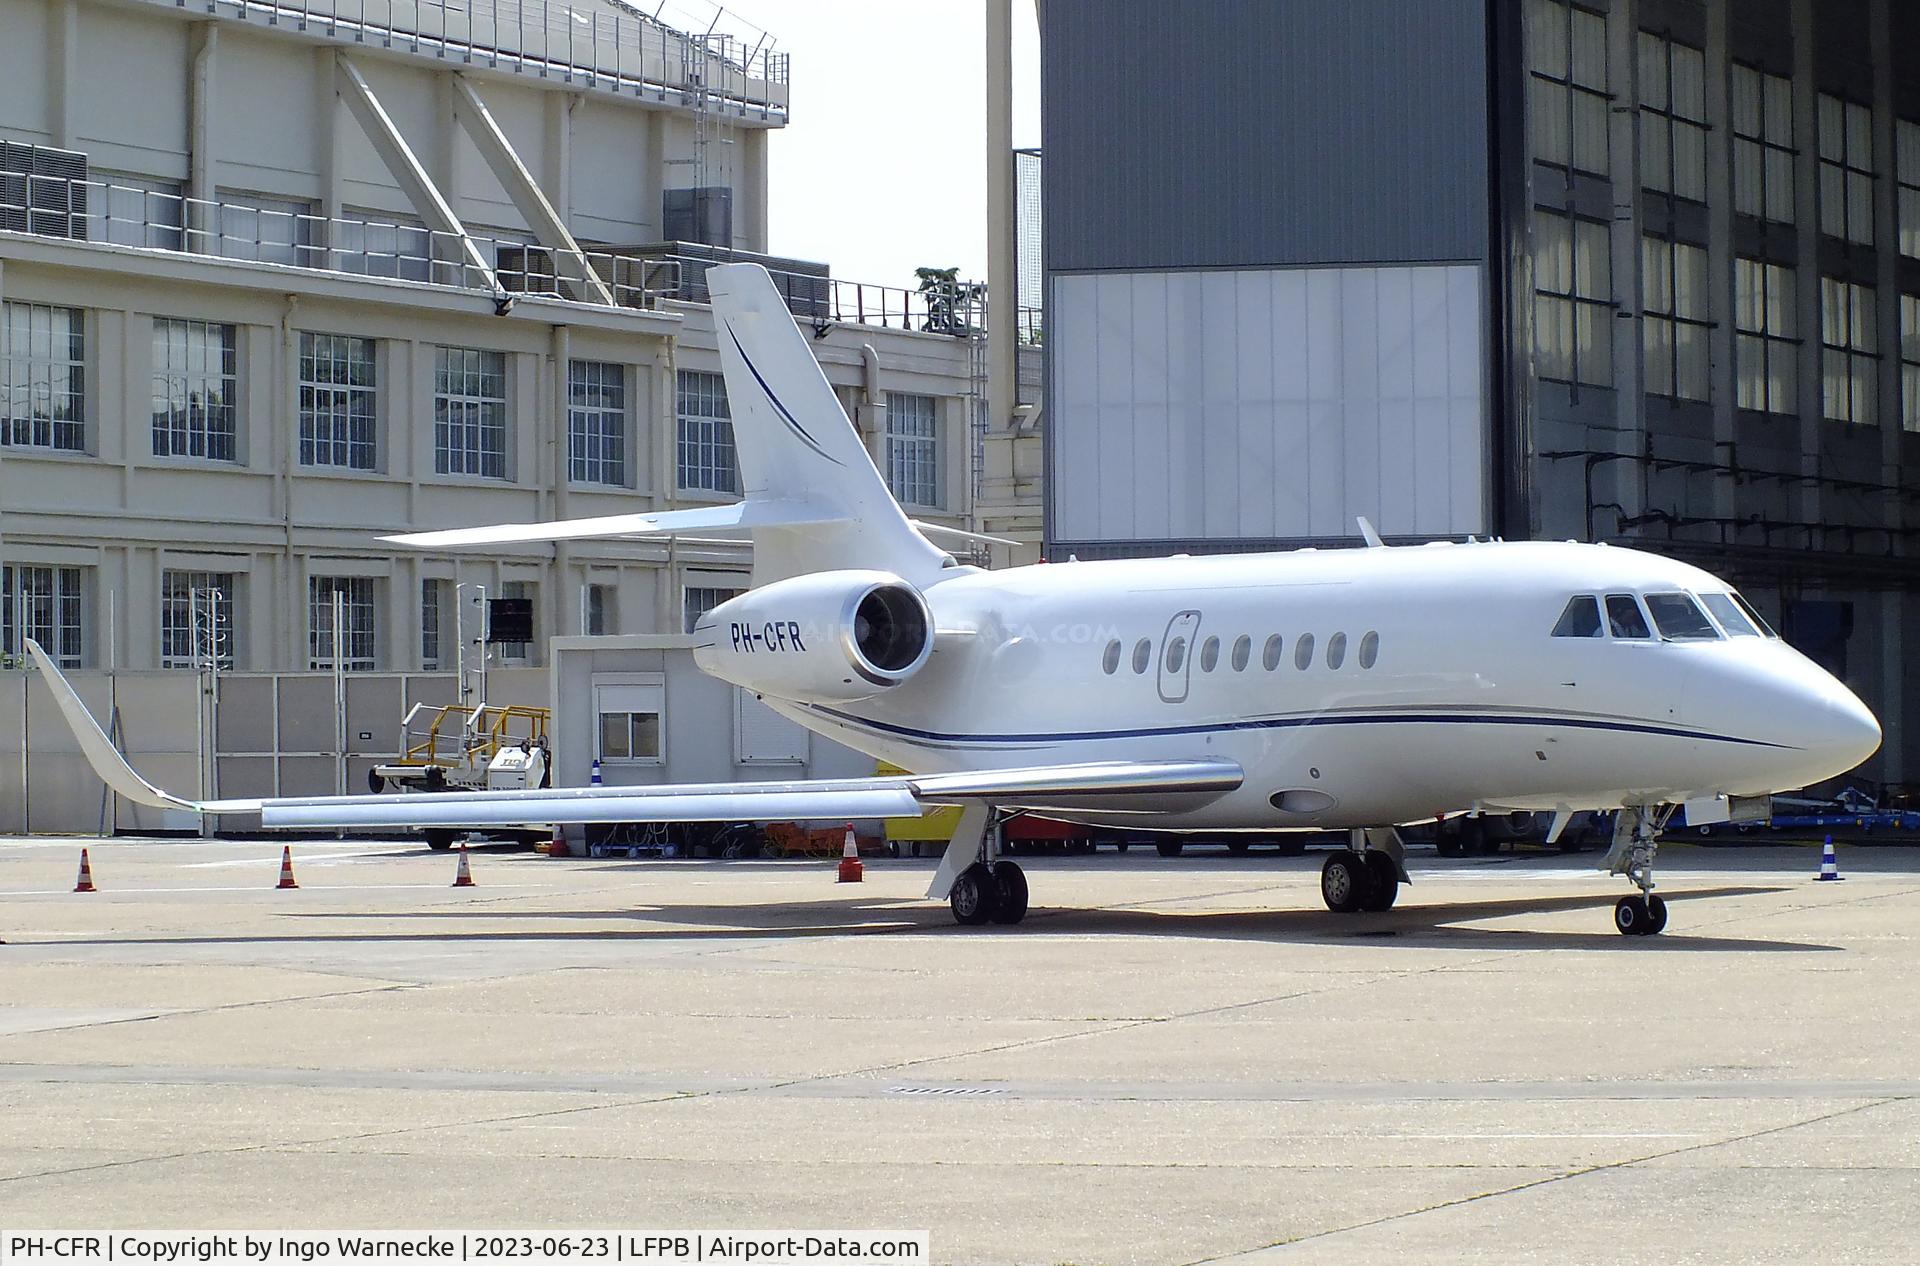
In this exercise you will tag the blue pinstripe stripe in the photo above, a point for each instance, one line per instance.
(1285, 723)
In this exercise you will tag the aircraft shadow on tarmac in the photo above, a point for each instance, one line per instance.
(1411, 926)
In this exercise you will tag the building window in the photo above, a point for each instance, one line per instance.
(1850, 358)
(42, 603)
(1567, 92)
(913, 448)
(380, 244)
(602, 611)
(1767, 353)
(1573, 301)
(1762, 145)
(525, 591)
(596, 422)
(470, 412)
(140, 212)
(357, 622)
(432, 597)
(336, 401)
(195, 382)
(272, 230)
(43, 370)
(1910, 362)
(214, 592)
(1673, 118)
(1907, 171)
(1674, 328)
(707, 462)
(697, 600)
(1846, 170)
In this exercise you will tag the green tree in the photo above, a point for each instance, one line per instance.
(953, 306)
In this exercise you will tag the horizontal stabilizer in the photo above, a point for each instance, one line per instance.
(738, 516)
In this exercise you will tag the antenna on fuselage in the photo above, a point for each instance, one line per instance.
(1368, 534)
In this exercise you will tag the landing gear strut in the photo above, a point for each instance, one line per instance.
(1636, 833)
(1365, 876)
(980, 886)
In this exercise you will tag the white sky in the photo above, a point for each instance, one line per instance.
(883, 167)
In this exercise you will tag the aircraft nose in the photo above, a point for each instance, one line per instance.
(1835, 725)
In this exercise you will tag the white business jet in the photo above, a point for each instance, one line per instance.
(1306, 691)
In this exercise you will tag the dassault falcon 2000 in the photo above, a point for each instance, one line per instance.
(1348, 689)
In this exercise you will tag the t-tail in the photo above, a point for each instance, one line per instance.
(813, 499)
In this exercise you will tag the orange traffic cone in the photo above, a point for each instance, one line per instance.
(463, 877)
(851, 871)
(85, 882)
(286, 868)
(558, 846)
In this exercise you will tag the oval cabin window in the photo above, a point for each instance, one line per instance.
(1369, 649)
(1270, 653)
(1110, 662)
(1303, 652)
(1336, 650)
(1242, 651)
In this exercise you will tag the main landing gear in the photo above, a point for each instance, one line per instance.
(980, 886)
(1366, 875)
(1636, 832)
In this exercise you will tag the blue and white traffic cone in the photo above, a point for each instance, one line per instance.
(1829, 865)
(595, 779)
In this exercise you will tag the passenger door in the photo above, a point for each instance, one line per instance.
(1176, 656)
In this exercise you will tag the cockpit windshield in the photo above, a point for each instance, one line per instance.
(1680, 619)
(1753, 615)
(1724, 610)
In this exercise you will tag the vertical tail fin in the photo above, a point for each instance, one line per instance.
(796, 444)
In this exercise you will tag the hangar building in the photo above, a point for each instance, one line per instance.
(1636, 271)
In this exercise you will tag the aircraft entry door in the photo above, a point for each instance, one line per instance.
(1176, 656)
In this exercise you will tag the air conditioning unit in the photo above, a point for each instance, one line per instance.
(43, 191)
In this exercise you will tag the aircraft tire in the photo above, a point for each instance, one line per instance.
(974, 897)
(1639, 916)
(440, 841)
(1170, 848)
(1010, 893)
(1238, 847)
(1383, 882)
(1343, 881)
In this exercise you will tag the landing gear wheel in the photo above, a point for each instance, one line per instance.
(1010, 883)
(1656, 915)
(1238, 847)
(975, 896)
(1170, 848)
(1383, 881)
(440, 841)
(1640, 915)
(1343, 882)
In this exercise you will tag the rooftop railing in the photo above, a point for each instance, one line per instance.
(151, 217)
(612, 47)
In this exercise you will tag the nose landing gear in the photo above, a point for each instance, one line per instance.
(1636, 832)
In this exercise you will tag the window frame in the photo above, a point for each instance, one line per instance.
(1766, 323)
(1663, 53)
(33, 366)
(1587, 300)
(470, 424)
(1592, 602)
(697, 600)
(363, 643)
(706, 460)
(1847, 176)
(1562, 91)
(597, 422)
(333, 398)
(1687, 335)
(213, 429)
(912, 445)
(1763, 146)
(176, 614)
(58, 618)
(1855, 349)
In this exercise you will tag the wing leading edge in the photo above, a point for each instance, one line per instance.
(1131, 786)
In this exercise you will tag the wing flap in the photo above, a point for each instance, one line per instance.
(663, 804)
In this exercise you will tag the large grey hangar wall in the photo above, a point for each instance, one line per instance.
(1267, 236)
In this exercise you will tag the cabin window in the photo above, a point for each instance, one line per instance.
(1580, 619)
(1176, 654)
(1110, 662)
(1242, 651)
(1142, 655)
(1270, 653)
(1680, 619)
(1369, 649)
(1735, 624)
(1758, 621)
(1303, 652)
(1209, 654)
(1624, 619)
(1336, 650)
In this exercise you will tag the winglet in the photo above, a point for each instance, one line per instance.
(105, 758)
(1368, 534)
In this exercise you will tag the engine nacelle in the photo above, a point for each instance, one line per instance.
(830, 637)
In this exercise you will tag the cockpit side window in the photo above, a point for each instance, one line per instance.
(1680, 619)
(1735, 624)
(1624, 619)
(1753, 615)
(1581, 618)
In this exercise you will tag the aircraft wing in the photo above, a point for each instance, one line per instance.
(1128, 786)
(736, 516)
